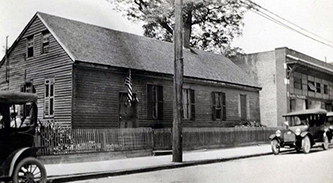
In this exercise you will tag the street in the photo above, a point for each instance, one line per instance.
(317, 166)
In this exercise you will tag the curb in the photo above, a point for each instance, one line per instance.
(95, 175)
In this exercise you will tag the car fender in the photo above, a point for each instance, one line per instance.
(17, 156)
(303, 134)
(273, 136)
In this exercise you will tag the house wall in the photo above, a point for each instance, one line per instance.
(96, 98)
(281, 86)
(55, 64)
(262, 68)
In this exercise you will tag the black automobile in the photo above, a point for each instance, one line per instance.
(305, 129)
(18, 123)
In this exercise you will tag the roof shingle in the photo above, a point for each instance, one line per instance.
(94, 44)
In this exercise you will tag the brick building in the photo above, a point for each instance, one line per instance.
(78, 71)
(290, 81)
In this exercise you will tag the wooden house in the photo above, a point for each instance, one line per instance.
(78, 71)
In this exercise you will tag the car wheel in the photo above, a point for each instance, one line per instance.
(306, 144)
(275, 147)
(29, 170)
(325, 142)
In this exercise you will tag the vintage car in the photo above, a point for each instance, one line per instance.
(305, 129)
(18, 123)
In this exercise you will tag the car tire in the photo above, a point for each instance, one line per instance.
(306, 144)
(325, 142)
(29, 170)
(275, 146)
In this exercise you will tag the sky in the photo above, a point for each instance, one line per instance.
(259, 34)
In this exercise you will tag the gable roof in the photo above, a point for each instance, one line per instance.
(98, 45)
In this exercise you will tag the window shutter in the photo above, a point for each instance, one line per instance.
(149, 102)
(213, 107)
(192, 104)
(224, 111)
(160, 102)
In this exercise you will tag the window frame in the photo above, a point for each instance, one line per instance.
(45, 47)
(188, 104)
(318, 87)
(326, 89)
(292, 105)
(155, 102)
(30, 45)
(49, 100)
(221, 98)
(298, 83)
(312, 88)
(242, 117)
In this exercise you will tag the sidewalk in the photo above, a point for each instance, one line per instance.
(85, 170)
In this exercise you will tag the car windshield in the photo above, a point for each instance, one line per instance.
(20, 116)
(310, 120)
(297, 120)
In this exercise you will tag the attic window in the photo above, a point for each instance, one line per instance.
(30, 46)
(46, 42)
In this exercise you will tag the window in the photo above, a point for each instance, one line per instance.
(311, 86)
(326, 89)
(188, 104)
(219, 106)
(292, 105)
(49, 98)
(298, 83)
(243, 107)
(318, 88)
(154, 102)
(30, 46)
(46, 42)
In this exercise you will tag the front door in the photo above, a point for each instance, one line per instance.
(127, 113)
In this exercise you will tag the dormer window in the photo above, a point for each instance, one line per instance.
(30, 46)
(46, 42)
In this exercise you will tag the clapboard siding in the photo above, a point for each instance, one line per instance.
(95, 102)
(96, 99)
(55, 64)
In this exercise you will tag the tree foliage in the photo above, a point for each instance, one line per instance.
(209, 25)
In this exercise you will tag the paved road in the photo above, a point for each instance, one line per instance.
(317, 166)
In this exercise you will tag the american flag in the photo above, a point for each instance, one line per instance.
(128, 83)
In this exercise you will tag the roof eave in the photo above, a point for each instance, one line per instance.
(18, 38)
(25, 29)
(299, 60)
(256, 87)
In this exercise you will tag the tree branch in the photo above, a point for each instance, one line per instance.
(165, 25)
(140, 4)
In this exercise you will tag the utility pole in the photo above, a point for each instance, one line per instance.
(177, 150)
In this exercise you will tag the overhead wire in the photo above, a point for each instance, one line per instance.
(262, 12)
